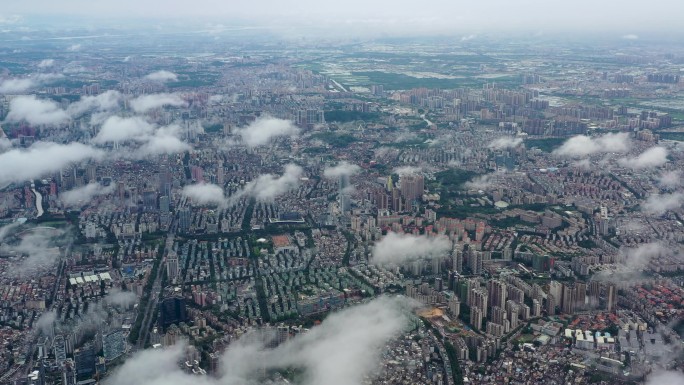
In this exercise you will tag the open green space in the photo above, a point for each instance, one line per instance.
(545, 144)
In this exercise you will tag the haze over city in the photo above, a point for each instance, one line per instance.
(348, 193)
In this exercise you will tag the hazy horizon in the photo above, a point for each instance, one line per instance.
(356, 17)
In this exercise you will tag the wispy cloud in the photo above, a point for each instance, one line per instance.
(21, 85)
(84, 194)
(505, 142)
(651, 158)
(145, 103)
(661, 203)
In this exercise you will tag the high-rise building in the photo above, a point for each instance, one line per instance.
(611, 297)
(164, 204)
(475, 261)
(457, 261)
(551, 305)
(580, 295)
(412, 187)
(68, 373)
(184, 219)
(476, 318)
(150, 199)
(172, 268)
(172, 310)
(454, 307)
(568, 301)
(478, 298)
(84, 358)
(121, 191)
(497, 293)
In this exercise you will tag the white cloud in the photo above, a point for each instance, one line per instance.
(162, 76)
(46, 322)
(104, 102)
(407, 170)
(82, 195)
(670, 179)
(205, 194)
(342, 350)
(653, 157)
(469, 37)
(45, 63)
(262, 130)
(662, 377)
(267, 187)
(118, 129)
(630, 36)
(401, 248)
(21, 85)
(505, 142)
(343, 168)
(581, 145)
(42, 158)
(638, 257)
(164, 141)
(659, 204)
(35, 111)
(5, 144)
(37, 251)
(144, 103)
(120, 298)
(481, 182)
(7, 229)
(74, 48)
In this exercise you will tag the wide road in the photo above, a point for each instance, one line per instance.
(153, 297)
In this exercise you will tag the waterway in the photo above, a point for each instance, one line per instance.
(39, 201)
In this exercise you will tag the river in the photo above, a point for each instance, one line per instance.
(39, 201)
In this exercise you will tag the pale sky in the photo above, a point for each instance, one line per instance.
(621, 16)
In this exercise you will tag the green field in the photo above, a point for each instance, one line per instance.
(678, 136)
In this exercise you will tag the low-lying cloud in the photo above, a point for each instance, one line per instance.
(481, 182)
(36, 111)
(659, 204)
(45, 63)
(22, 85)
(343, 350)
(83, 195)
(145, 103)
(343, 168)
(581, 146)
(651, 158)
(105, 102)
(149, 140)
(407, 170)
(265, 128)
(505, 142)
(42, 158)
(670, 179)
(402, 248)
(662, 377)
(162, 76)
(205, 194)
(37, 251)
